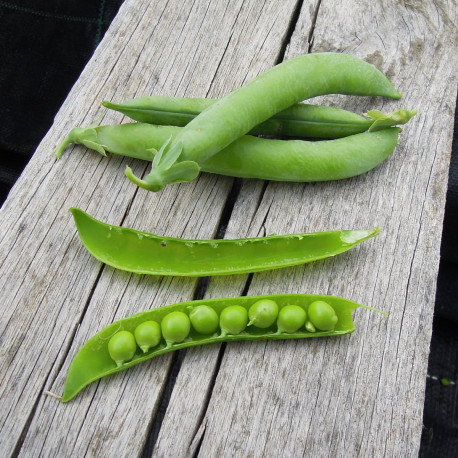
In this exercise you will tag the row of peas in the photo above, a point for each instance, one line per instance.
(175, 327)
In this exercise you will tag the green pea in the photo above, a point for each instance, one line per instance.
(322, 316)
(204, 319)
(147, 335)
(122, 347)
(291, 318)
(175, 327)
(263, 313)
(233, 319)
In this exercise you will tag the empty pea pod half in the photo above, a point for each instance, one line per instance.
(145, 253)
(187, 324)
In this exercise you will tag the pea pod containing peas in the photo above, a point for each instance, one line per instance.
(212, 138)
(300, 120)
(122, 345)
(252, 157)
(179, 159)
(144, 253)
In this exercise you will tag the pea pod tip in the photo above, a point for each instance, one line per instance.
(374, 309)
(108, 104)
(352, 236)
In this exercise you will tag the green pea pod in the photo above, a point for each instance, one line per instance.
(240, 111)
(301, 120)
(93, 361)
(144, 253)
(251, 157)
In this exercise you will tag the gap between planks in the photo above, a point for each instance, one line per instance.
(202, 286)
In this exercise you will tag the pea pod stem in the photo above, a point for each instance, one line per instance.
(251, 157)
(93, 360)
(240, 111)
(301, 120)
(144, 253)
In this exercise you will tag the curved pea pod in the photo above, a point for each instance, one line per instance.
(301, 161)
(240, 111)
(144, 253)
(252, 157)
(93, 360)
(301, 120)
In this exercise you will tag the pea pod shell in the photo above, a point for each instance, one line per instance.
(300, 161)
(144, 253)
(275, 90)
(93, 361)
(252, 157)
(300, 120)
(240, 111)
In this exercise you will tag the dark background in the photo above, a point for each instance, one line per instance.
(45, 45)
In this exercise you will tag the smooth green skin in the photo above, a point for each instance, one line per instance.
(175, 327)
(93, 360)
(252, 157)
(300, 120)
(263, 313)
(241, 110)
(322, 316)
(309, 327)
(143, 253)
(233, 320)
(204, 319)
(147, 335)
(121, 347)
(291, 318)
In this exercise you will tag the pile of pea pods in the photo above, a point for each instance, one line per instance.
(241, 135)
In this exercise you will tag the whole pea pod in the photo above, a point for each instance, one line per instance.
(240, 111)
(301, 120)
(140, 337)
(251, 157)
(143, 253)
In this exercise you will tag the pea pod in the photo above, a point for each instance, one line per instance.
(301, 120)
(93, 361)
(240, 111)
(144, 253)
(252, 157)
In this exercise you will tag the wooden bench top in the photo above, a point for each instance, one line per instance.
(358, 395)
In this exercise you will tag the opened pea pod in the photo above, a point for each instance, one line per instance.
(145, 253)
(187, 324)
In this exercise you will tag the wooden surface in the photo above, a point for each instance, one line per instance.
(360, 395)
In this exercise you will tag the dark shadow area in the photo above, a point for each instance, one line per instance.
(440, 416)
(45, 46)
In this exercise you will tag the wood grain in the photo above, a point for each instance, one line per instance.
(361, 395)
(335, 399)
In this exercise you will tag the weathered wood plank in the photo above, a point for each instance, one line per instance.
(165, 48)
(361, 395)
